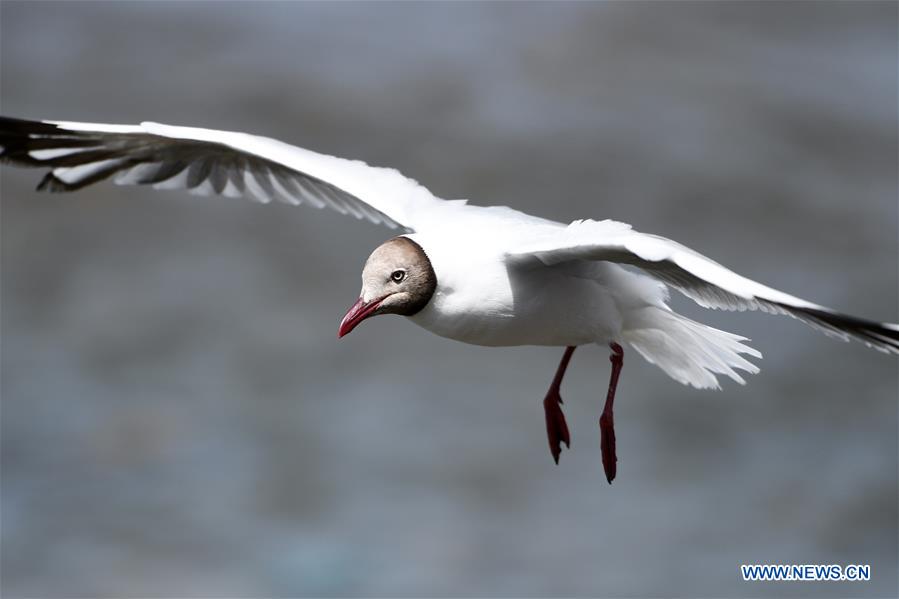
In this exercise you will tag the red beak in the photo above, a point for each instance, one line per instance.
(356, 314)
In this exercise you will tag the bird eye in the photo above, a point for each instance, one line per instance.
(397, 276)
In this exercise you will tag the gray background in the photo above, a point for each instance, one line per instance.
(180, 420)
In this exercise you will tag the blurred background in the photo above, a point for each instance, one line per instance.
(179, 419)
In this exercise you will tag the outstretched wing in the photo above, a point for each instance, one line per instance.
(701, 279)
(207, 161)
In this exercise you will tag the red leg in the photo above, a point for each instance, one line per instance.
(556, 427)
(607, 420)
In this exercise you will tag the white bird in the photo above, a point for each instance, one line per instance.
(482, 275)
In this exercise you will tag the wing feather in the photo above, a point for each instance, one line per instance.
(209, 161)
(198, 172)
(700, 278)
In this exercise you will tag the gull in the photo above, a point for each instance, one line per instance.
(490, 276)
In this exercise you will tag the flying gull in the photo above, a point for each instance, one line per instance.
(489, 276)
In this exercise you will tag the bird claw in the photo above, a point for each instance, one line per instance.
(556, 427)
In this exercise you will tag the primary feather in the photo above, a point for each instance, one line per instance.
(206, 161)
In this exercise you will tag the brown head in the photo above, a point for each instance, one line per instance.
(397, 279)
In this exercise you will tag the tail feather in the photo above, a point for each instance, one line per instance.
(689, 352)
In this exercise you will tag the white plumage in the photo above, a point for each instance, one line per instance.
(502, 277)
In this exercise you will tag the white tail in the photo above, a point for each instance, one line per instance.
(689, 352)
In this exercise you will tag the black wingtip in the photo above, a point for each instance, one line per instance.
(40, 144)
(881, 336)
(10, 124)
(18, 137)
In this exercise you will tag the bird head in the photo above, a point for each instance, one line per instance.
(397, 279)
